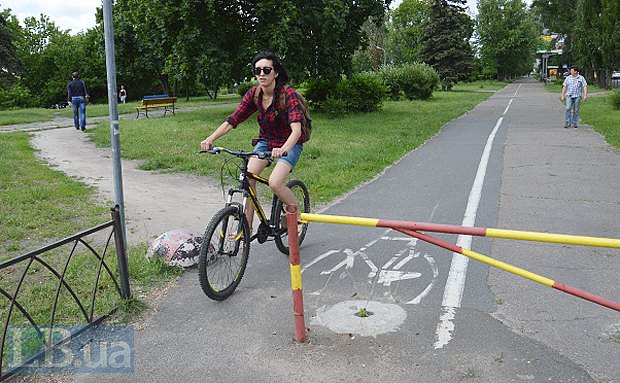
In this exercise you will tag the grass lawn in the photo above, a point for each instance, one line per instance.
(23, 116)
(41, 205)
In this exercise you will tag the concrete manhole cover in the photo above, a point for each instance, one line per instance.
(365, 318)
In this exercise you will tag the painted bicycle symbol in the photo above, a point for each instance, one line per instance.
(391, 262)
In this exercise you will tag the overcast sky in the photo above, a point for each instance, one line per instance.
(78, 16)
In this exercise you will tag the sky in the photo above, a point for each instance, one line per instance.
(78, 16)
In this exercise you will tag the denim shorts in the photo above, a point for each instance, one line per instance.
(292, 155)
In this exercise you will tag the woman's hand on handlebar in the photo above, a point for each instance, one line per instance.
(206, 144)
(277, 152)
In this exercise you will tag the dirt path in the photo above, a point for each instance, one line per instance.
(154, 203)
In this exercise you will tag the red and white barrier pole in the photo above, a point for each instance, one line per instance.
(298, 300)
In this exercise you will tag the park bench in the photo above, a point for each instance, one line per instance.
(156, 101)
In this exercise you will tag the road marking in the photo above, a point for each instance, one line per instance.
(455, 283)
(384, 276)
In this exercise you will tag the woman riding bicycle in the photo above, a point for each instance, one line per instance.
(280, 130)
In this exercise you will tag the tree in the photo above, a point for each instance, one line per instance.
(10, 64)
(406, 30)
(596, 28)
(507, 35)
(445, 41)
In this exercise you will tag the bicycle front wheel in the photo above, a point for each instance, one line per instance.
(224, 253)
(303, 204)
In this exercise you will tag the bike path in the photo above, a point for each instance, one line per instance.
(249, 337)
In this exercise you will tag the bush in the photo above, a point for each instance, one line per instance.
(415, 81)
(364, 92)
(418, 81)
(391, 78)
(243, 88)
(317, 92)
(15, 97)
(615, 100)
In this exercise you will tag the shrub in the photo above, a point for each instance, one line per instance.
(17, 96)
(364, 92)
(615, 100)
(390, 76)
(243, 88)
(418, 81)
(317, 92)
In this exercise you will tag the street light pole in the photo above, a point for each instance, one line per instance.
(108, 27)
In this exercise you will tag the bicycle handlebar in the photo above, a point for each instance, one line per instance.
(240, 153)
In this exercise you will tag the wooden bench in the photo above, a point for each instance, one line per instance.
(156, 101)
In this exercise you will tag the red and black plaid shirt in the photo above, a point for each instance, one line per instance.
(275, 124)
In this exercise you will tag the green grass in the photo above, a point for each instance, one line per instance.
(41, 205)
(342, 154)
(23, 116)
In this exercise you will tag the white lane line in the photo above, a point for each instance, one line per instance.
(455, 283)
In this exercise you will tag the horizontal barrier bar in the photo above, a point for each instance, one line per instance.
(515, 270)
(463, 230)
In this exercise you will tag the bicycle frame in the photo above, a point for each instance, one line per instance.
(248, 192)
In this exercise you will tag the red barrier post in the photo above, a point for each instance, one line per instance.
(298, 300)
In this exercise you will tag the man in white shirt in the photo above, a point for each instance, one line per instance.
(575, 86)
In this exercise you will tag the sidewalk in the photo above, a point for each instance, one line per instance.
(563, 181)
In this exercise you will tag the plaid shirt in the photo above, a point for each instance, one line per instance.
(574, 86)
(275, 124)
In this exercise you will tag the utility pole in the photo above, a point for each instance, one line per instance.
(110, 62)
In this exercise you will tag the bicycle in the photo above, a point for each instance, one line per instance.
(225, 246)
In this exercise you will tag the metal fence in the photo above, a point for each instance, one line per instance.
(37, 269)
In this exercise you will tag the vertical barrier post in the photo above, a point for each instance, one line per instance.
(298, 300)
(121, 252)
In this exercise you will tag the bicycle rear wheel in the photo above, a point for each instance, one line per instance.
(303, 204)
(224, 253)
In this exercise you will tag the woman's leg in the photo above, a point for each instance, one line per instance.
(255, 166)
(276, 183)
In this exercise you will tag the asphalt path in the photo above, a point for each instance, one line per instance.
(435, 317)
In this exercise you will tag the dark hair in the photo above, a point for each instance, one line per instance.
(575, 67)
(282, 78)
(75, 75)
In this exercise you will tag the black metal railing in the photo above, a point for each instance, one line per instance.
(34, 260)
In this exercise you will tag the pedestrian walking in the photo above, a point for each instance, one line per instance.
(575, 86)
(77, 96)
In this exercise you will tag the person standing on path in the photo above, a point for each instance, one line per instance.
(77, 96)
(574, 87)
(123, 94)
(280, 130)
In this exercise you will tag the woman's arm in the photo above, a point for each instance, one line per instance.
(219, 132)
(291, 141)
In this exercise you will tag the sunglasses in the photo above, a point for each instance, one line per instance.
(265, 70)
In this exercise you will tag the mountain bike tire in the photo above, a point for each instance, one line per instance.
(303, 201)
(224, 253)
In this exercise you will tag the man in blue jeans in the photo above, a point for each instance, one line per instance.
(574, 87)
(77, 95)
